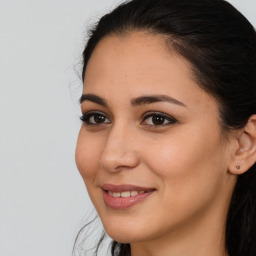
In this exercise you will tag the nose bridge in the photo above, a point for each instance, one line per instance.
(119, 151)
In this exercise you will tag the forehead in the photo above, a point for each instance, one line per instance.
(136, 63)
(141, 49)
(132, 55)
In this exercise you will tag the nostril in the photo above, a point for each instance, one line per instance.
(117, 161)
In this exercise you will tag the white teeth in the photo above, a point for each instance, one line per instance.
(125, 193)
(116, 194)
(134, 193)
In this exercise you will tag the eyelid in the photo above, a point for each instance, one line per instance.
(87, 115)
(149, 114)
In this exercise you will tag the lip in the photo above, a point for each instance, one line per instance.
(124, 187)
(119, 203)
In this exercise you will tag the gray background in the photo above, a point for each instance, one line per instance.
(43, 202)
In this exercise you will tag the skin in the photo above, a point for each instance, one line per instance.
(187, 161)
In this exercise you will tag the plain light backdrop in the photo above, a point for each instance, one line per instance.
(43, 201)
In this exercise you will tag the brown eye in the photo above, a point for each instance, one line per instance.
(158, 120)
(94, 118)
(97, 119)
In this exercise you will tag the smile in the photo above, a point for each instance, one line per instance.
(120, 197)
(125, 193)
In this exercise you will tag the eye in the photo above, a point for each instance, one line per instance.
(158, 119)
(94, 118)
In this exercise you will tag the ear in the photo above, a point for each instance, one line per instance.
(244, 155)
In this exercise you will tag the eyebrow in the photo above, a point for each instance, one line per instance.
(94, 98)
(148, 99)
(142, 100)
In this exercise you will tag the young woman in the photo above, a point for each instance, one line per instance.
(168, 144)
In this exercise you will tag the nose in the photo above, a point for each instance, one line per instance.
(119, 152)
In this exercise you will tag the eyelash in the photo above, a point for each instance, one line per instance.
(168, 120)
(86, 117)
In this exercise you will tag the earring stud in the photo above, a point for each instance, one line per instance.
(238, 167)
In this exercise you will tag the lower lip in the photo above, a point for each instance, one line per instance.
(119, 203)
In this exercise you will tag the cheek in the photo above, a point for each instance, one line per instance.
(87, 155)
(187, 164)
(190, 172)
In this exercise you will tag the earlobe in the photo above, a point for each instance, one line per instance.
(245, 154)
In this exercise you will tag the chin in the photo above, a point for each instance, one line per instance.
(124, 234)
(124, 237)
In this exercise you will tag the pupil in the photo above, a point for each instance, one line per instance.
(157, 120)
(99, 119)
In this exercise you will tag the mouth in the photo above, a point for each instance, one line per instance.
(125, 193)
(124, 196)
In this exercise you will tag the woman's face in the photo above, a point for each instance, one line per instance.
(150, 151)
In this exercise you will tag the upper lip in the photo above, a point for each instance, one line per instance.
(124, 187)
